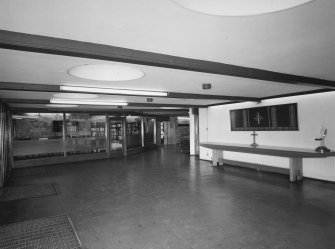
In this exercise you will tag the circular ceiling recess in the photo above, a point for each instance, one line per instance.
(106, 72)
(239, 7)
(75, 96)
(61, 106)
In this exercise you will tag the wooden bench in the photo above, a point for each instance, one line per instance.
(295, 155)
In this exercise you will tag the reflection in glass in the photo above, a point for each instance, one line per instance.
(149, 124)
(133, 132)
(37, 135)
(85, 134)
(116, 136)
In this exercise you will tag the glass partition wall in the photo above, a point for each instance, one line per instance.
(41, 135)
(116, 133)
(85, 134)
(149, 130)
(38, 135)
(133, 131)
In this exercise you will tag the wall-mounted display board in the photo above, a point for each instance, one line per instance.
(265, 118)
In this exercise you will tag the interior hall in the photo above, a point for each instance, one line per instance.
(159, 124)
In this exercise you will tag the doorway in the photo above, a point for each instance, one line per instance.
(116, 134)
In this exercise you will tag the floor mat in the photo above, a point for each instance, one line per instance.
(55, 232)
(29, 172)
(27, 191)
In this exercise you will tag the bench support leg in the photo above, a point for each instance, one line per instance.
(295, 169)
(217, 157)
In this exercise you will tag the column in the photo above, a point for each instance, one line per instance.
(107, 134)
(64, 134)
(142, 130)
(124, 135)
(155, 131)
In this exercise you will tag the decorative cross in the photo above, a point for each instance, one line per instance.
(258, 118)
(254, 138)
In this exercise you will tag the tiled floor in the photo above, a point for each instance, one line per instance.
(165, 199)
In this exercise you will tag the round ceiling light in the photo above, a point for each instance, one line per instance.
(61, 106)
(239, 7)
(106, 72)
(75, 96)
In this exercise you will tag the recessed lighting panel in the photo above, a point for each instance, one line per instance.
(239, 7)
(61, 106)
(85, 102)
(106, 72)
(75, 96)
(112, 91)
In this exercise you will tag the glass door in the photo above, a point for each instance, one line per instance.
(116, 134)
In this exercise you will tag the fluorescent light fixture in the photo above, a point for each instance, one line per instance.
(86, 102)
(75, 95)
(23, 116)
(239, 7)
(17, 117)
(104, 72)
(111, 90)
(61, 106)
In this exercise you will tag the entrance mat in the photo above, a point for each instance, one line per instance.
(55, 232)
(27, 191)
(29, 172)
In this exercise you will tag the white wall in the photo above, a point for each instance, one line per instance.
(192, 138)
(314, 111)
(204, 153)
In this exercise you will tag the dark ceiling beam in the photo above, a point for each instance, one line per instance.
(208, 96)
(224, 103)
(66, 47)
(298, 93)
(185, 106)
(32, 87)
(47, 101)
(26, 101)
(152, 112)
(279, 96)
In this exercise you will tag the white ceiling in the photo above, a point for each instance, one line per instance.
(298, 41)
(52, 69)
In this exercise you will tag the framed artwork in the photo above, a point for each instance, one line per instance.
(265, 118)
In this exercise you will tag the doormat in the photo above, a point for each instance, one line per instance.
(27, 191)
(55, 232)
(29, 172)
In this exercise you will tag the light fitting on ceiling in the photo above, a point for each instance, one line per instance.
(104, 72)
(75, 95)
(111, 91)
(206, 86)
(86, 102)
(239, 7)
(61, 106)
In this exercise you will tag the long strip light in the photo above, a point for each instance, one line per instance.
(111, 90)
(86, 102)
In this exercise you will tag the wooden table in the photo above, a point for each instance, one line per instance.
(295, 155)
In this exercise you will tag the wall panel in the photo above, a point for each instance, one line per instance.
(314, 111)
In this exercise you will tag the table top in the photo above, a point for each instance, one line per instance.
(268, 150)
